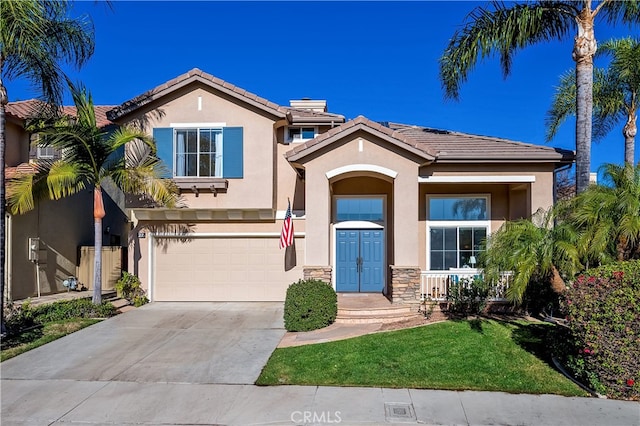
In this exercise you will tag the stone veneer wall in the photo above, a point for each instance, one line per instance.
(322, 273)
(405, 284)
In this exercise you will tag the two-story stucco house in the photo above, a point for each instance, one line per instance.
(376, 205)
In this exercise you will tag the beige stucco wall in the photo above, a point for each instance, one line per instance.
(373, 152)
(62, 227)
(16, 145)
(255, 189)
(541, 190)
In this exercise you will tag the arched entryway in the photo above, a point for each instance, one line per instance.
(361, 222)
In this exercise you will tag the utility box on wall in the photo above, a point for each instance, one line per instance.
(111, 266)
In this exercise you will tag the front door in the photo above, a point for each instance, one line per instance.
(360, 260)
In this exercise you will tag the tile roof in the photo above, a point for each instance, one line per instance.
(22, 168)
(23, 110)
(359, 122)
(442, 145)
(198, 75)
(451, 146)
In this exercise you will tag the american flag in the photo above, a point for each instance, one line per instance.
(286, 237)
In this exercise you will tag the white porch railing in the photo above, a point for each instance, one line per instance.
(435, 285)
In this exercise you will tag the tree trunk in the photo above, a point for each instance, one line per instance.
(3, 222)
(557, 283)
(98, 214)
(629, 132)
(583, 50)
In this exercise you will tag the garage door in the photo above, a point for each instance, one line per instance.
(223, 269)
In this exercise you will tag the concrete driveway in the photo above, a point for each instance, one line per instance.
(207, 343)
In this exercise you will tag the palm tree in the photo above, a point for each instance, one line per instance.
(502, 30)
(608, 216)
(616, 95)
(529, 248)
(92, 158)
(35, 36)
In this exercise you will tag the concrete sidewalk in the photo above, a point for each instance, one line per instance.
(195, 363)
(58, 402)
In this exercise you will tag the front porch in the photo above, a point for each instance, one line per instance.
(438, 285)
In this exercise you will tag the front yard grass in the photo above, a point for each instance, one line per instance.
(480, 354)
(38, 336)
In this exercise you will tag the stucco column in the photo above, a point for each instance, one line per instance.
(405, 219)
(318, 213)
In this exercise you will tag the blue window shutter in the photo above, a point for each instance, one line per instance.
(232, 152)
(164, 143)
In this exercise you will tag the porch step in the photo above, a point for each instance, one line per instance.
(365, 318)
(374, 311)
(121, 305)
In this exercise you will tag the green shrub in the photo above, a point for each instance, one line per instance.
(18, 318)
(468, 295)
(129, 287)
(603, 314)
(309, 305)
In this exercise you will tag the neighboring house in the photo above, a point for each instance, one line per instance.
(377, 206)
(57, 229)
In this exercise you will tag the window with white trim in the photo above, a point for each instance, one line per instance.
(456, 227)
(198, 152)
(301, 134)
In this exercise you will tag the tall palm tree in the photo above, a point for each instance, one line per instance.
(502, 30)
(616, 95)
(35, 37)
(532, 247)
(92, 158)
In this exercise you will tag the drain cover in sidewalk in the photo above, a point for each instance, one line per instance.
(399, 412)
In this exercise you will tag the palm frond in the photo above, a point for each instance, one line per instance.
(65, 178)
(35, 36)
(563, 105)
(501, 30)
(23, 190)
(627, 12)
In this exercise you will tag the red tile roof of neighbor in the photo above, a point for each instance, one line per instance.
(23, 110)
(23, 168)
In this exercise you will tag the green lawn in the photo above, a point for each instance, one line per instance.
(39, 336)
(477, 355)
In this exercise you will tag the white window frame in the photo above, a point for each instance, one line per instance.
(486, 223)
(219, 156)
(289, 137)
(45, 152)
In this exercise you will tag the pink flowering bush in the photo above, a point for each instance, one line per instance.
(602, 346)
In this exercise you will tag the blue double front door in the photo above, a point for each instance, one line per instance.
(360, 260)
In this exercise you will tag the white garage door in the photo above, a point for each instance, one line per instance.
(223, 269)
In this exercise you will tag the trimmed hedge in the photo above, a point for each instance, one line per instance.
(309, 305)
(603, 313)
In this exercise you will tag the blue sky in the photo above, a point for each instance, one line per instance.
(377, 59)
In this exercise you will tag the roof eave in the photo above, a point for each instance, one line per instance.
(295, 156)
(131, 106)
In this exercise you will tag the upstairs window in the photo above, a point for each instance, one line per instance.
(42, 152)
(198, 153)
(46, 152)
(201, 152)
(300, 134)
